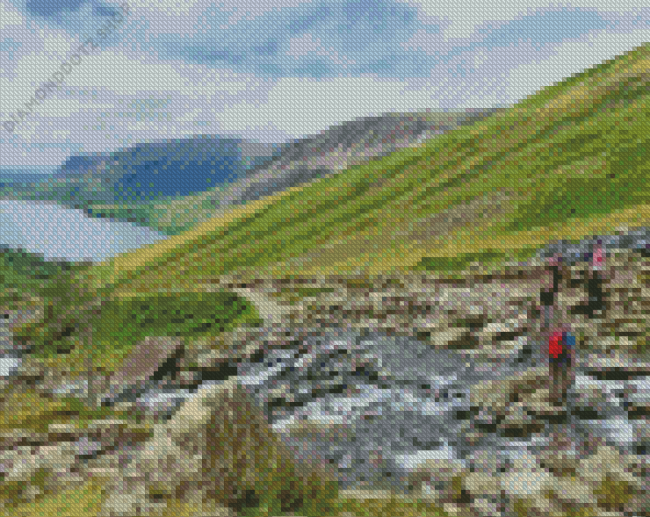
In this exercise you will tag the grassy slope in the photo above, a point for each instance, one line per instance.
(570, 160)
(174, 216)
(26, 279)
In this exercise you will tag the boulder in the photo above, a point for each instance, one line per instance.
(217, 447)
(529, 387)
(443, 337)
(498, 348)
(505, 330)
(606, 345)
(589, 397)
(143, 362)
(617, 365)
(603, 484)
(148, 358)
(436, 479)
(519, 422)
(28, 472)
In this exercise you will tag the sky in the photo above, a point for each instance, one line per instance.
(278, 70)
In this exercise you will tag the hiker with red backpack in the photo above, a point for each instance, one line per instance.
(559, 341)
(561, 351)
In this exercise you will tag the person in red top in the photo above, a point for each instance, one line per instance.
(561, 352)
(559, 341)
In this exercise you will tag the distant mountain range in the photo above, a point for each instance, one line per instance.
(174, 184)
(298, 162)
(143, 173)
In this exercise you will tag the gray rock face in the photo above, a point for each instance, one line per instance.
(637, 239)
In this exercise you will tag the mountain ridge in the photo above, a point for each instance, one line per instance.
(303, 161)
(142, 172)
(501, 184)
(97, 184)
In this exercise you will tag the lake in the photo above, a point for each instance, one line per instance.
(59, 233)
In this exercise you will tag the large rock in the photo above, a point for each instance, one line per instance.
(28, 472)
(143, 362)
(617, 365)
(217, 447)
(606, 483)
(148, 358)
(616, 480)
(530, 387)
(612, 345)
(437, 480)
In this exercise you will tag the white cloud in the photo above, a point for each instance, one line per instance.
(466, 15)
(304, 44)
(115, 97)
(58, 45)
(571, 58)
(307, 45)
(171, 7)
(254, 7)
(306, 106)
(185, 16)
(10, 18)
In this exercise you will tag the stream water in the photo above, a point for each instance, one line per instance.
(397, 403)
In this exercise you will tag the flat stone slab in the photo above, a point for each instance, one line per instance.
(618, 366)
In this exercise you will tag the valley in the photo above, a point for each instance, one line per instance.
(368, 340)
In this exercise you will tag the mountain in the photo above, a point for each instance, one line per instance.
(344, 145)
(145, 172)
(79, 165)
(140, 184)
(19, 179)
(297, 162)
(572, 158)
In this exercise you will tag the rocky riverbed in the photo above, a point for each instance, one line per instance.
(424, 386)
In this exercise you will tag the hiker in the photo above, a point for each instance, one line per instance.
(561, 351)
(556, 336)
(595, 275)
(561, 342)
(547, 296)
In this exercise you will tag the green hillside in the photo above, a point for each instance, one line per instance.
(173, 216)
(570, 161)
(27, 277)
(571, 158)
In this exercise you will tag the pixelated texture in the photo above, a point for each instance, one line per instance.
(403, 315)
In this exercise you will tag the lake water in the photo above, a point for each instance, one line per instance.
(56, 232)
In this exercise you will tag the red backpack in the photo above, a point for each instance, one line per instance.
(555, 348)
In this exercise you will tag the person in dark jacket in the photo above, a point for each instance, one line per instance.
(595, 276)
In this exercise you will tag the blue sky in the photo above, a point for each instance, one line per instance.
(275, 70)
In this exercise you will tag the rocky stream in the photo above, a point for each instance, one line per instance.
(422, 386)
